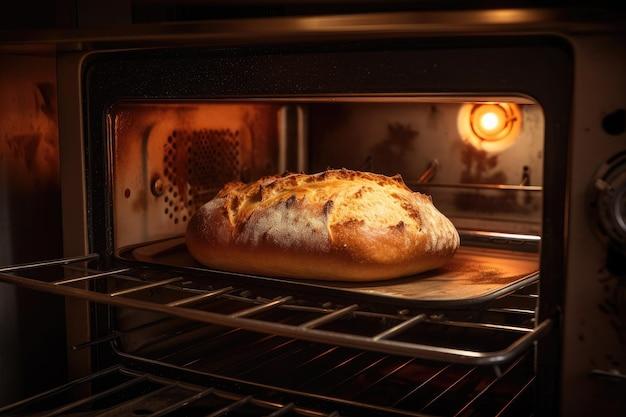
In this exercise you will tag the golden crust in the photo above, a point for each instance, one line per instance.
(335, 225)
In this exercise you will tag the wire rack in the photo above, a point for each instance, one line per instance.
(334, 323)
(352, 381)
(120, 391)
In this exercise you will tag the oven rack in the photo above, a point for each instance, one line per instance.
(248, 318)
(377, 385)
(159, 397)
(470, 186)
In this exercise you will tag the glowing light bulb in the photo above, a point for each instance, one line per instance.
(490, 121)
(492, 127)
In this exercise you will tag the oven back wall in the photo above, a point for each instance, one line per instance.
(407, 138)
(30, 224)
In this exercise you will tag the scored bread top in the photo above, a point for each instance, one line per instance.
(355, 217)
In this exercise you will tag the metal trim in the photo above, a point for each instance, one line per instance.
(64, 261)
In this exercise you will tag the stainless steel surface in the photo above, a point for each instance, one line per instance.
(513, 237)
(514, 311)
(281, 412)
(145, 286)
(399, 328)
(261, 307)
(63, 261)
(329, 317)
(87, 277)
(504, 187)
(200, 297)
(343, 338)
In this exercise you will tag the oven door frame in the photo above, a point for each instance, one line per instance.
(539, 67)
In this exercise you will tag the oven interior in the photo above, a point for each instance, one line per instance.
(170, 158)
(247, 345)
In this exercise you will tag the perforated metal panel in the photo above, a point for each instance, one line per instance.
(171, 158)
(196, 164)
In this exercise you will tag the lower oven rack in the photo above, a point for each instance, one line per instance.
(250, 317)
(125, 391)
(127, 399)
(445, 390)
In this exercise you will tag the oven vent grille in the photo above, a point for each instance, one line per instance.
(196, 164)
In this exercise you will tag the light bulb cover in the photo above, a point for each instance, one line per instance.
(492, 127)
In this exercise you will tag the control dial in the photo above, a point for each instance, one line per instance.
(608, 203)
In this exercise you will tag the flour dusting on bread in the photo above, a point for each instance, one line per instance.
(286, 224)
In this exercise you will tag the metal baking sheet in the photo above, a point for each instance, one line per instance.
(473, 276)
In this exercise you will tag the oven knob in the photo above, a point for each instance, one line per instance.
(608, 209)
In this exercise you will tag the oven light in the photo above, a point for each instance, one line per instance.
(491, 127)
(490, 121)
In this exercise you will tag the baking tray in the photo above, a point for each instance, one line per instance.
(473, 276)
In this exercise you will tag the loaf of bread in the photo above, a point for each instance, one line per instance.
(336, 225)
